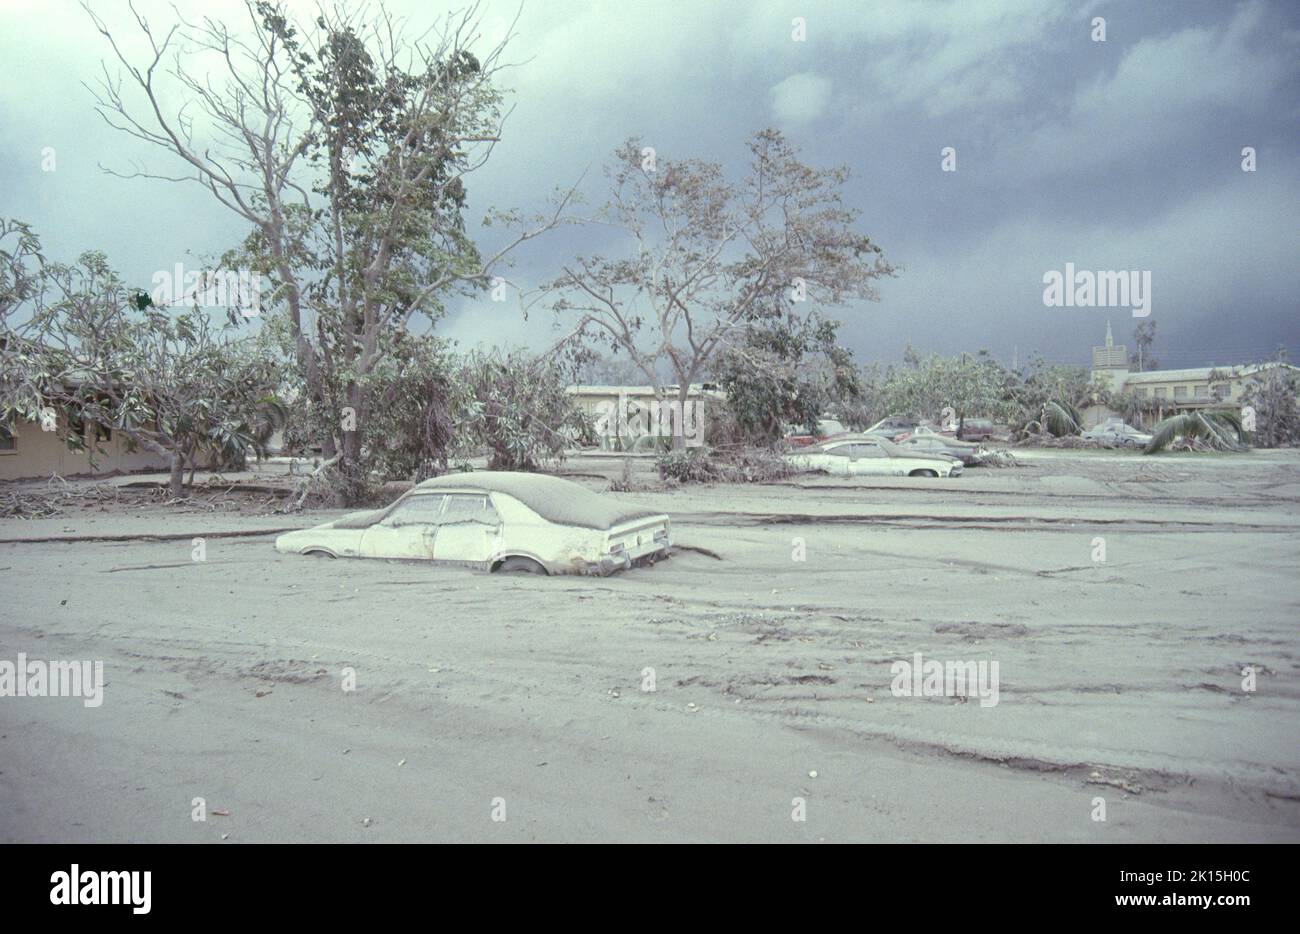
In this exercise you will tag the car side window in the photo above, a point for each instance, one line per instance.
(469, 507)
(417, 510)
(840, 450)
(867, 450)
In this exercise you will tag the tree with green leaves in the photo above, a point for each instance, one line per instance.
(786, 372)
(961, 387)
(74, 338)
(516, 406)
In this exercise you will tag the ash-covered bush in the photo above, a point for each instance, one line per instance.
(736, 465)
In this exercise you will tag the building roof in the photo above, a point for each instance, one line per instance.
(1195, 374)
(1201, 373)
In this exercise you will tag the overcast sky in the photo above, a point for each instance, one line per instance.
(1117, 155)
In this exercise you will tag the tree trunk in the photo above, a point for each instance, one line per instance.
(679, 424)
(177, 479)
(353, 489)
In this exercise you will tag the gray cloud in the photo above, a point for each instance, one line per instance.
(1123, 154)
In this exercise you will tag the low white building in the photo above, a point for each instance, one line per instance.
(1166, 392)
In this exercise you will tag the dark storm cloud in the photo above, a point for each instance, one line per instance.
(1123, 154)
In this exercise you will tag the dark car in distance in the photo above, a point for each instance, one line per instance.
(976, 429)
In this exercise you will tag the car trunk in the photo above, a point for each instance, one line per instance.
(638, 537)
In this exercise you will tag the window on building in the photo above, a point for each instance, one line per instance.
(92, 432)
(1203, 391)
(1141, 392)
(1180, 392)
(1161, 392)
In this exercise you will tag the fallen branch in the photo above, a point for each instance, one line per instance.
(306, 483)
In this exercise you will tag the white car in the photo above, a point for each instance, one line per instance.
(509, 522)
(868, 456)
(1118, 432)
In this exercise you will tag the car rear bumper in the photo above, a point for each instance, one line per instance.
(612, 564)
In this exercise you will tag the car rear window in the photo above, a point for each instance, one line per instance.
(468, 507)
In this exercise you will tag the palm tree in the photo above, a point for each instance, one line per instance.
(1218, 428)
(1058, 418)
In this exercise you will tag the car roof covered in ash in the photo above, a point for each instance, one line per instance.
(553, 498)
(856, 437)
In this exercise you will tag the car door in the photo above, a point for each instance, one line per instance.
(869, 459)
(834, 459)
(408, 531)
(469, 529)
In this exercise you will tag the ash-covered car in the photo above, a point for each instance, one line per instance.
(867, 455)
(1116, 431)
(826, 428)
(926, 443)
(893, 427)
(498, 521)
(979, 429)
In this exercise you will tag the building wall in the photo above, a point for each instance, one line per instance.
(1181, 393)
(38, 453)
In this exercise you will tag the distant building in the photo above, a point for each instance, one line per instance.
(1167, 392)
(27, 451)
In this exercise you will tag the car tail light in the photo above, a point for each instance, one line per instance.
(616, 548)
(661, 535)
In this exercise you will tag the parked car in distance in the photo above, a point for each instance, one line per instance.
(1115, 431)
(927, 429)
(498, 521)
(863, 455)
(976, 429)
(826, 428)
(893, 426)
(923, 443)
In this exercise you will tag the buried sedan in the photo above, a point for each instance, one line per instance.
(499, 521)
(873, 456)
(1117, 432)
(927, 443)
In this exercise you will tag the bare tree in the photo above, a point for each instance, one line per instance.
(709, 258)
(346, 146)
